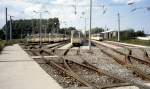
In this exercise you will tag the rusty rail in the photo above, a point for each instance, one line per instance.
(128, 55)
(68, 72)
(129, 66)
(146, 56)
(143, 75)
(93, 68)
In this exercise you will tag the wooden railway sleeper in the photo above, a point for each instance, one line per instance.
(130, 56)
(146, 56)
(140, 73)
(133, 68)
(78, 51)
(116, 85)
(71, 74)
(99, 71)
(67, 66)
(136, 84)
(127, 59)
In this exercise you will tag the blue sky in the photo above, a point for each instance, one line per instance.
(140, 19)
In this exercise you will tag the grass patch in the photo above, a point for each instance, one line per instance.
(4, 43)
(137, 42)
(134, 41)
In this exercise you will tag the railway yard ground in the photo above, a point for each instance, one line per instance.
(109, 65)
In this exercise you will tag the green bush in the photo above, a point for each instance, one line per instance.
(137, 42)
(2, 44)
(8, 43)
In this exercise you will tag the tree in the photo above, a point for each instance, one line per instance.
(31, 26)
(130, 34)
(2, 35)
(67, 31)
(140, 33)
(96, 30)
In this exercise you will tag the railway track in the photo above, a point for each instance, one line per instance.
(65, 67)
(72, 70)
(145, 54)
(96, 71)
(128, 57)
(128, 65)
(93, 71)
(51, 50)
(46, 50)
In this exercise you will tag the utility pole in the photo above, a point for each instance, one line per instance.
(10, 34)
(57, 31)
(21, 31)
(90, 25)
(21, 34)
(40, 29)
(85, 27)
(65, 33)
(84, 24)
(6, 24)
(118, 27)
(40, 12)
(45, 31)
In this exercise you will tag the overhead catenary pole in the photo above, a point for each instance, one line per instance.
(118, 27)
(84, 24)
(10, 33)
(45, 32)
(65, 30)
(85, 27)
(57, 31)
(40, 29)
(40, 12)
(6, 24)
(46, 29)
(90, 25)
(32, 29)
(21, 31)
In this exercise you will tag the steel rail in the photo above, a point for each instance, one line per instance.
(127, 65)
(143, 75)
(70, 73)
(127, 55)
(68, 67)
(146, 56)
(130, 83)
(91, 67)
(74, 75)
(116, 85)
(58, 45)
(96, 70)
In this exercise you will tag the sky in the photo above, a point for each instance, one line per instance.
(65, 11)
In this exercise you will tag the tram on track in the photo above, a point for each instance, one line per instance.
(47, 39)
(76, 39)
(98, 37)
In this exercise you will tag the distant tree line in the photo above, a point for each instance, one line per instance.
(67, 31)
(124, 34)
(131, 34)
(52, 25)
(20, 28)
(95, 30)
(2, 35)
